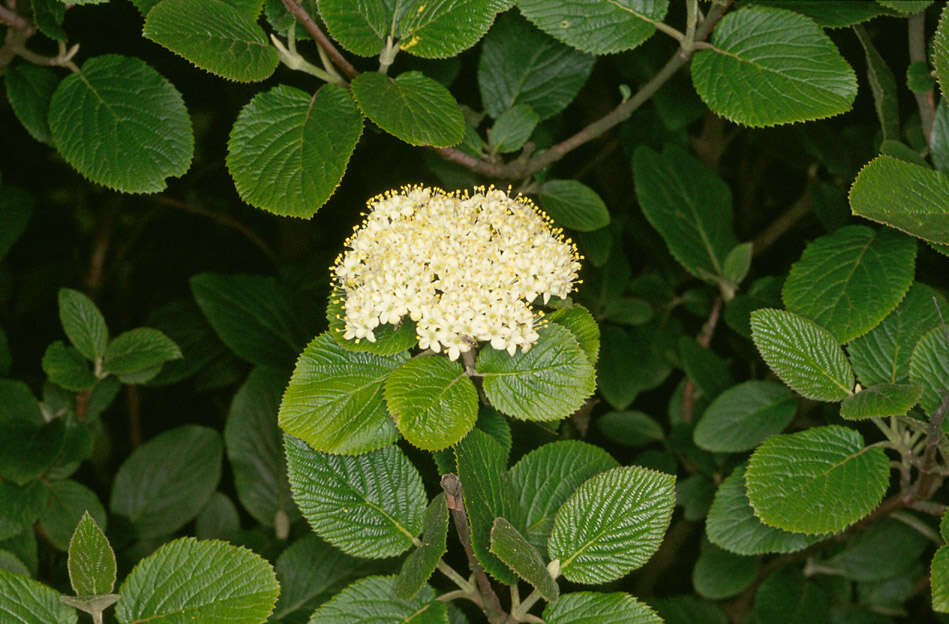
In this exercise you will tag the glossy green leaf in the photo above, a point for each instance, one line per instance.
(252, 314)
(732, 523)
(573, 205)
(582, 325)
(121, 124)
(288, 149)
(689, 205)
(596, 608)
(904, 196)
(335, 399)
(940, 46)
(612, 524)
(939, 580)
(48, 15)
(488, 493)
(880, 401)
(929, 367)
(547, 476)
(66, 367)
(29, 91)
(255, 448)
(744, 416)
(719, 574)
(83, 323)
(883, 85)
(308, 571)
(421, 562)
(91, 559)
(68, 502)
(433, 402)
(597, 26)
(771, 66)
(787, 597)
(803, 354)
(411, 107)
(883, 355)
(137, 350)
(389, 340)
(512, 129)
(362, 27)
(849, 280)
(16, 206)
(820, 480)
(631, 428)
(521, 65)
(215, 36)
(830, 13)
(166, 482)
(548, 382)
(21, 506)
(368, 506)
(196, 579)
(372, 599)
(24, 601)
(508, 545)
(445, 28)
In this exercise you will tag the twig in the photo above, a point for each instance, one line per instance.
(321, 40)
(787, 219)
(135, 415)
(705, 339)
(18, 22)
(926, 473)
(916, 25)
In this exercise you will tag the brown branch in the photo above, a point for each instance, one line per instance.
(916, 25)
(321, 40)
(17, 22)
(927, 476)
(134, 402)
(705, 339)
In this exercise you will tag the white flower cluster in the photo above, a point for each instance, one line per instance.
(463, 267)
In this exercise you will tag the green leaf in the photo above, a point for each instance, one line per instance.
(48, 15)
(918, 79)
(252, 314)
(939, 139)
(288, 150)
(910, 198)
(27, 602)
(368, 506)
(121, 124)
(745, 415)
(630, 428)
(573, 205)
(732, 523)
(308, 570)
(708, 372)
(547, 476)
(488, 493)
(218, 520)
(886, 549)
(168, 480)
(68, 501)
(596, 608)
(787, 597)
(83, 323)
(548, 382)
(421, 562)
(446, 28)
(23, 547)
(883, 355)
(737, 263)
(411, 107)
(29, 449)
(137, 350)
(929, 367)
(803, 354)
(630, 362)
(91, 559)
(255, 449)
(360, 28)
(389, 340)
(940, 46)
(906, 6)
(11, 563)
(820, 480)
(21, 506)
(582, 325)
(197, 579)
(201, 350)
(215, 36)
(512, 129)
(628, 311)
(830, 13)
(689, 205)
(6, 358)
(771, 66)
(508, 545)
(16, 206)
(719, 574)
(372, 599)
(66, 367)
(938, 580)
(433, 402)
(29, 90)
(612, 524)
(883, 85)
(880, 401)
(521, 65)
(597, 26)
(849, 280)
(335, 399)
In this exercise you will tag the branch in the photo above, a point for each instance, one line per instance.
(788, 218)
(926, 473)
(917, 53)
(321, 40)
(18, 22)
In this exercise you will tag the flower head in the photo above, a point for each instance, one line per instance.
(464, 267)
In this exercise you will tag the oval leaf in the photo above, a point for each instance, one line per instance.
(83, 323)
(372, 599)
(68, 502)
(719, 574)
(30, 89)
(595, 608)
(597, 26)
(122, 125)
(368, 506)
(197, 579)
(929, 367)
(771, 66)
(288, 150)
(137, 350)
(743, 416)
(517, 553)
(817, 481)
(582, 325)
(573, 205)
(512, 129)
(446, 28)
(804, 355)
(433, 402)
(420, 564)
(30, 602)
(881, 401)
(389, 340)
(612, 524)
(91, 559)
